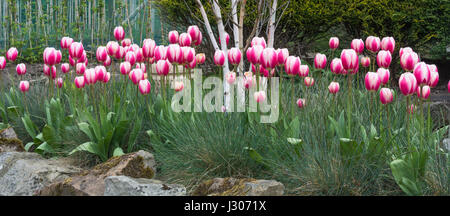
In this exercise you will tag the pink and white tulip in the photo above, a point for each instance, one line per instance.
(101, 54)
(90, 77)
(50, 71)
(407, 83)
(79, 82)
(434, 76)
(422, 73)
(100, 71)
(24, 86)
(173, 37)
(76, 50)
(200, 58)
(219, 58)
(404, 50)
(2, 62)
(231, 77)
(269, 58)
(336, 66)
(59, 82)
(163, 67)
(409, 60)
(112, 48)
(12, 53)
(178, 86)
(309, 81)
(303, 71)
(80, 68)
(119, 33)
(125, 68)
(320, 61)
(423, 92)
(234, 56)
(144, 87)
(373, 44)
(357, 45)
(148, 48)
(65, 67)
(66, 42)
(21, 69)
(227, 38)
(388, 43)
(301, 103)
(50, 56)
(365, 61)
(349, 59)
(259, 96)
(259, 41)
(107, 62)
(292, 65)
(254, 54)
(372, 81)
(130, 57)
(384, 59)
(175, 54)
(136, 75)
(160, 53)
(386, 96)
(185, 39)
(196, 34)
(333, 43)
(384, 75)
(282, 55)
(333, 88)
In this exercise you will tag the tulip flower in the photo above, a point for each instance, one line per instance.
(59, 82)
(333, 87)
(301, 103)
(50, 56)
(282, 55)
(80, 68)
(107, 63)
(196, 34)
(200, 58)
(349, 59)
(120, 54)
(292, 65)
(112, 48)
(259, 41)
(404, 50)
(254, 54)
(303, 71)
(259, 96)
(384, 75)
(365, 61)
(2, 62)
(234, 56)
(373, 43)
(263, 71)
(21, 69)
(423, 92)
(90, 77)
(174, 54)
(230, 77)
(185, 39)
(407, 83)
(192, 64)
(72, 61)
(12, 53)
(434, 76)
(388, 43)
(136, 75)
(107, 77)
(269, 58)
(126, 42)
(142, 67)
(76, 50)
(248, 80)
(163, 67)
(79, 81)
(130, 57)
(188, 54)
(409, 60)
(66, 42)
(160, 53)
(101, 54)
(422, 73)
(50, 71)
(357, 45)
(320, 61)
(65, 67)
(309, 81)
(100, 71)
(144, 87)
(178, 86)
(24, 86)
(148, 48)
(125, 68)
(219, 58)
(333, 43)
(336, 66)
(119, 33)
(386, 95)
(173, 37)
(372, 81)
(227, 38)
(384, 59)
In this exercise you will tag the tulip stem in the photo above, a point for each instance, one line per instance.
(349, 105)
(407, 120)
(292, 96)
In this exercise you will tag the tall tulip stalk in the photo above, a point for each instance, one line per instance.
(350, 62)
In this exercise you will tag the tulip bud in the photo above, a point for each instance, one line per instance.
(407, 83)
(59, 82)
(100, 71)
(185, 39)
(160, 53)
(301, 103)
(357, 45)
(422, 73)
(163, 67)
(119, 33)
(79, 81)
(12, 53)
(148, 48)
(65, 67)
(409, 60)
(333, 43)
(404, 50)
(230, 77)
(24, 86)
(21, 69)
(384, 75)
(349, 59)
(365, 61)
(372, 81)
(434, 76)
(373, 43)
(282, 55)
(384, 59)
(178, 86)
(130, 57)
(90, 77)
(195, 34)
(259, 96)
(101, 53)
(66, 42)
(309, 81)
(76, 50)
(423, 92)
(333, 87)
(175, 54)
(292, 65)
(200, 58)
(173, 37)
(269, 58)
(136, 75)
(144, 87)
(386, 96)
(80, 68)
(303, 71)
(388, 43)
(320, 61)
(259, 41)
(336, 66)
(219, 58)
(126, 42)
(2, 62)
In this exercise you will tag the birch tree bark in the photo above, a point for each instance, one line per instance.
(271, 36)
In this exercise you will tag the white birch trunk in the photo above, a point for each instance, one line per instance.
(207, 25)
(272, 24)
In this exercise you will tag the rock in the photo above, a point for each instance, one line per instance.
(127, 186)
(8, 133)
(23, 173)
(239, 187)
(9, 141)
(137, 165)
